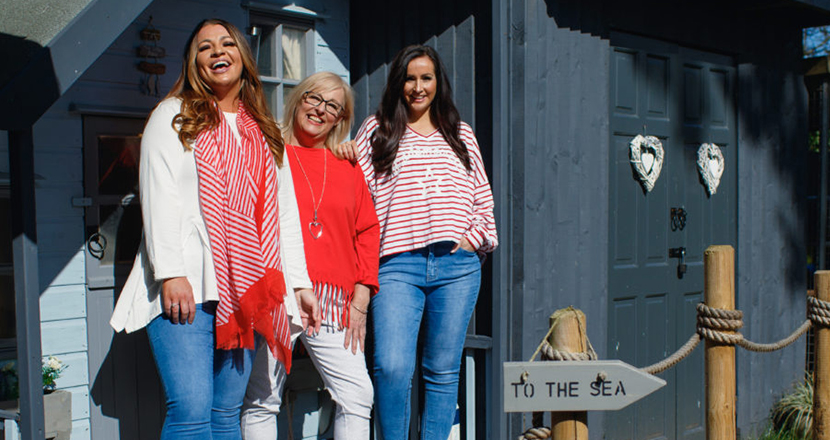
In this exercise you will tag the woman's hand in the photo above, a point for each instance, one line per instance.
(177, 300)
(347, 150)
(309, 310)
(356, 332)
(463, 244)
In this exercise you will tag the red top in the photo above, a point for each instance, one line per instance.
(346, 250)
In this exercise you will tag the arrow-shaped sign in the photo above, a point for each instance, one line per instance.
(575, 386)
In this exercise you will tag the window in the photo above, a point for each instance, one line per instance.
(284, 48)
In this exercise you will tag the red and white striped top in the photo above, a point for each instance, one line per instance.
(429, 196)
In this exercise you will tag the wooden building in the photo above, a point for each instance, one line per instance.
(555, 91)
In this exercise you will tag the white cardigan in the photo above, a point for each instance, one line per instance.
(175, 240)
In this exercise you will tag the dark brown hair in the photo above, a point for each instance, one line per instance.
(393, 113)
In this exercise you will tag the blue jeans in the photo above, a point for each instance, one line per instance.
(204, 386)
(440, 288)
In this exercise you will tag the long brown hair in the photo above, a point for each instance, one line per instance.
(321, 82)
(393, 112)
(199, 111)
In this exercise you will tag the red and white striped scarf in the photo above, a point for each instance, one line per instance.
(238, 197)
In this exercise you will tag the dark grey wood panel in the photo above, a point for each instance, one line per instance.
(771, 221)
(553, 52)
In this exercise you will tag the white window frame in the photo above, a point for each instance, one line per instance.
(279, 22)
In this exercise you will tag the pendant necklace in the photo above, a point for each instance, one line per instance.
(315, 228)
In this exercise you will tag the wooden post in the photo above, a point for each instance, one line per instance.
(569, 336)
(719, 293)
(821, 391)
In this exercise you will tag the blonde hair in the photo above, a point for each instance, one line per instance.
(321, 82)
(199, 111)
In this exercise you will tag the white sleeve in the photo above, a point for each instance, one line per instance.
(291, 237)
(162, 155)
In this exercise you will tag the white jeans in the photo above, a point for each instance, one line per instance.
(343, 373)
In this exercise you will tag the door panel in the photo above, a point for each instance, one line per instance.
(685, 98)
(127, 401)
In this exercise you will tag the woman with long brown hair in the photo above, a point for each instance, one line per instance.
(222, 249)
(435, 208)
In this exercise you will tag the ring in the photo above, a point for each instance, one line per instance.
(174, 305)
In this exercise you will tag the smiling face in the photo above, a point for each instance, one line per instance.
(420, 86)
(313, 124)
(218, 61)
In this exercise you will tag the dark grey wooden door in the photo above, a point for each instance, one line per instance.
(685, 98)
(127, 401)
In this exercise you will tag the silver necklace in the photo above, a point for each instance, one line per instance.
(315, 228)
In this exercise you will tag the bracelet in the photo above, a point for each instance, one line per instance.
(360, 310)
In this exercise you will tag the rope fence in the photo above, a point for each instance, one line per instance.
(715, 325)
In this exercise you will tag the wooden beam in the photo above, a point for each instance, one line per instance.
(719, 293)
(821, 391)
(26, 282)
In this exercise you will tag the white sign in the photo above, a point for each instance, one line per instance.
(574, 386)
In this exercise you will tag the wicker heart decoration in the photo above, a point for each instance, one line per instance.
(710, 164)
(646, 157)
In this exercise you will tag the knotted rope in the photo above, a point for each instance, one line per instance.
(536, 433)
(716, 325)
(713, 325)
(539, 432)
(818, 312)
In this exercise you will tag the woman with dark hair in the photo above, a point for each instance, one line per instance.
(222, 247)
(435, 208)
(341, 248)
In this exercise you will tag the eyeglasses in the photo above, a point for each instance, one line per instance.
(314, 100)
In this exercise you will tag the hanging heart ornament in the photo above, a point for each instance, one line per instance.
(646, 157)
(316, 229)
(710, 164)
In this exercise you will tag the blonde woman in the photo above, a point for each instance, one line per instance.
(340, 232)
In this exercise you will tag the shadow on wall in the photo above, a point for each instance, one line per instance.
(28, 85)
(770, 98)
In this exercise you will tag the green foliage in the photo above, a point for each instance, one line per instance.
(52, 368)
(9, 387)
(792, 415)
(771, 434)
(814, 141)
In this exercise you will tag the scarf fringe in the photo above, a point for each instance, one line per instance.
(264, 305)
(237, 191)
(331, 296)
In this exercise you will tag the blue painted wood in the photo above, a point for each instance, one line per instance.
(62, 268)
(63, 302)
(80, 402)
(76, 373)
(80, 430)
(65, 336)
(26, 291)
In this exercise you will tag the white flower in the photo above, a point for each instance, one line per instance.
(54, 363)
